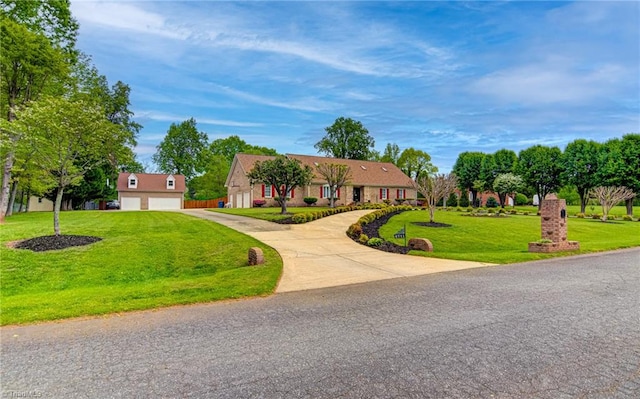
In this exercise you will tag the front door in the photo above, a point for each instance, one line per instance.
(356, 194)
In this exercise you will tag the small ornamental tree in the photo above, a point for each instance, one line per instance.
(610, 196)
(336, 176)
(506, 183)
(69, 138)
(434, 188)
(282, 173)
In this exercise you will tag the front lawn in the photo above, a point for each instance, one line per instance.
(145, 260)
(505, 239)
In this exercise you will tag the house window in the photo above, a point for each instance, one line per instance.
(401, 194)
(267, 191)
(325, 192)
(171, 183)
(132, 182)
(384, 193)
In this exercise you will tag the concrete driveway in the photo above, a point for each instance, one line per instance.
(318, 254)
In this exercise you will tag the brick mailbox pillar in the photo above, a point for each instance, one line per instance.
(553, 221)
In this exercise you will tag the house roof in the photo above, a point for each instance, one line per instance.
(363, 173)
(151, 182)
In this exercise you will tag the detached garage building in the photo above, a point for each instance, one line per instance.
(154, 192)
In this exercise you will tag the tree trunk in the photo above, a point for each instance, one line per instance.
(6, 177)
(28, 198)
(474, 197)
(21, 202)
(502, 197)
(584, 198)
(12, 198)
(629, 204)
(56, 211)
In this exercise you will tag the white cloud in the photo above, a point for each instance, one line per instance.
(165, 117)
(125, 16)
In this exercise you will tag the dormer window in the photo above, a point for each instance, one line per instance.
(132, 181)
(171, 183)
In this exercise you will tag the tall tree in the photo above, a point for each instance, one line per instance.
(51, 18)
(467, 170)
(414, 163)
(346, 139)
(230, 146)
(541, 169)
(435, 188)
(69, 136)
(619, 165)
(336, 175)
(501, 162)
(580, 163)
(505, 184)
(285, 174)
(211, 183)
(391, 154)
(183, 150)
(28, 64)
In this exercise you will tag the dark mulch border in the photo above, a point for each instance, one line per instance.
(373, 230)
(52, 243)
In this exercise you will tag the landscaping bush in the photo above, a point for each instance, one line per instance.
(521, 199)
(490, 211)
(452, 201)
(363, 238)
(258, 203)
(596, 216)
(464, 201)
(355, 230)
(501, 211)
(375, 242)
(580, 215)
(458, 209)
(513, 212)
(299, 218)
(492, 203)
(277, 199)
(310, 200)
(627, 218)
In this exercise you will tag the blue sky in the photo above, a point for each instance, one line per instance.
(443, 77)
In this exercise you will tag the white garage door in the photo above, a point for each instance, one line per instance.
(157, 204)
(130, 203)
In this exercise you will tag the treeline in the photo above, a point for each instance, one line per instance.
(65, 131)
(581, 167)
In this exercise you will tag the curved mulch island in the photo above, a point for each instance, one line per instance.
(52, 243)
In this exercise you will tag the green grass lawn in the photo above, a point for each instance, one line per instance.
(616, 211)
(145, 260)
(505, 239)
(268, 213)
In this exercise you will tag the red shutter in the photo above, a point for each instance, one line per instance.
(398, 193)
(321, 192)
(338, 193)
(263, 191)
(380, 193)
(293, 191)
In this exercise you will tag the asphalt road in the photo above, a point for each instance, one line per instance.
(567, 328)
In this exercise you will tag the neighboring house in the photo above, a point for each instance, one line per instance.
(370, 182)
(39, 204)
(141, 191)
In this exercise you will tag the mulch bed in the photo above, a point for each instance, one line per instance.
(52, 243)
(431, 224)
(372, 230)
